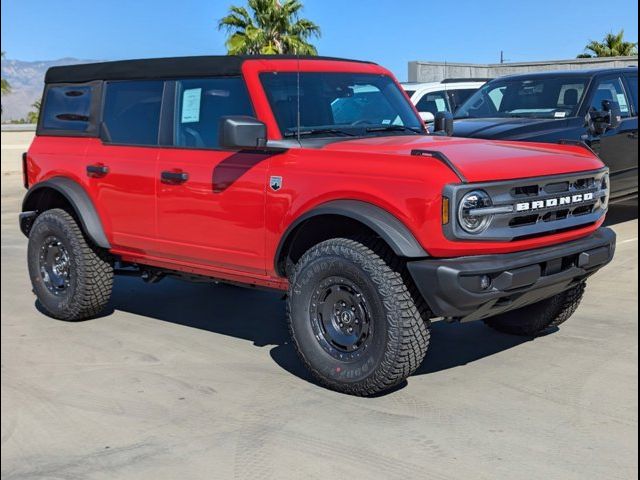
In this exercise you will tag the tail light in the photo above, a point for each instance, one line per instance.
(25, 174)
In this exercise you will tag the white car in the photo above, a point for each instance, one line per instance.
(445, 96)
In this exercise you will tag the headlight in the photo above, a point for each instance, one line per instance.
(470, 219)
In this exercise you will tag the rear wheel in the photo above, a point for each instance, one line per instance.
(539, 318)
(352, 318)
(71, 279)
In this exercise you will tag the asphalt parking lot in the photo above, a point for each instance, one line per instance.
(190, 381)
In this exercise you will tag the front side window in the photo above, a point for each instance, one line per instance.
(552, 97)
(458, 96)
(338, 104)
(67, 108)
(433, 102)
(132, 111)
(610, 90)
(201, 102)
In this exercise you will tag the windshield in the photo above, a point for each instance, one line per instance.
(339, 104)
(551, 97)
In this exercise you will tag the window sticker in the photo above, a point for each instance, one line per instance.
(191, 105)
(560, 114)
(622, 101)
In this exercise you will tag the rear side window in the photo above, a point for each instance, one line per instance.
(433, 102)
(200, 103)
(67, 108)
(132, 111)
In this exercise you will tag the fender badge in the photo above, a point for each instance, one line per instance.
(275, 183)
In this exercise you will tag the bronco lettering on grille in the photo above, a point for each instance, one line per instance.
(554, 202)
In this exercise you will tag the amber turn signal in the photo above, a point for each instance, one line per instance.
(445, 210)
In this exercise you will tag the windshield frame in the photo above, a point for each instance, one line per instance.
(506, 81)
(252, 69)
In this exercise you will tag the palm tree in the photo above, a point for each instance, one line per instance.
(6, 88)
(613, 45)
(271, 28)
(32, 117)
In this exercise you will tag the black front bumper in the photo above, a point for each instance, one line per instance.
(452, 287)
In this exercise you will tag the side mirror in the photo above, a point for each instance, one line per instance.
(242, 132)
(615, 115)
(443, 124)
(599, 121)
(427, 117)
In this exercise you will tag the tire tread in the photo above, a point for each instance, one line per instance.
(411, 325)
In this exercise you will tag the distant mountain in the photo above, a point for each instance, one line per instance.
(26, 80)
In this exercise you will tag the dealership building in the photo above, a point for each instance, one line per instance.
(420, 71)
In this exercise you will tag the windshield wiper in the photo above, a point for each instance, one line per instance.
(394, 128)
(318, 131)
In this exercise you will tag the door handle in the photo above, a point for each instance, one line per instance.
(173, 178)
(97, 170)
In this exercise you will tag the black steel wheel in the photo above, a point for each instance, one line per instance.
(71, 278)
(55, 265)
(353, 320)
(340, 318)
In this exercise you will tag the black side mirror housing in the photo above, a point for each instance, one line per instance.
(242, 133)
(443, 124)
(600, 121)
(615, 115)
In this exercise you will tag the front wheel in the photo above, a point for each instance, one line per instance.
(538, 318)
(71, 279)
(353, 320)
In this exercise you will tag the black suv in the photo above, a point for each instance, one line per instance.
(597, 107)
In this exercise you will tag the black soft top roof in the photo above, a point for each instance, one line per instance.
(227, 65)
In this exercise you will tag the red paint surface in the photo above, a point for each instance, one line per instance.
(225, 221)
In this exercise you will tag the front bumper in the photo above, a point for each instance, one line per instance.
(453, 287)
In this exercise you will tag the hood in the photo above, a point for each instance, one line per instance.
(483, 160)
(506, 128)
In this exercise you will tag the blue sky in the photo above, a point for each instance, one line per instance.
(385, 31)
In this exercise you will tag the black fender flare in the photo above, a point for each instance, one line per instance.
(79, 201)
(387, 226)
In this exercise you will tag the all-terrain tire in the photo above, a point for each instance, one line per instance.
(87, 286)
(541, 317)
(398, 335)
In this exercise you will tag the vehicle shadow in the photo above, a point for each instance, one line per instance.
(622, 212)
(259, 317)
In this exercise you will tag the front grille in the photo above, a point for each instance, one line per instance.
(535, 207)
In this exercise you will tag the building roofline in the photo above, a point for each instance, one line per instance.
(531, 63)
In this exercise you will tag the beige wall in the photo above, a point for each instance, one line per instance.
(437, 71)
(13, 144)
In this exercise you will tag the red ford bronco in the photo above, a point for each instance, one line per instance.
(314, 176)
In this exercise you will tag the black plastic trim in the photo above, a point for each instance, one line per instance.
(79, 200)
(390, 229)
(578, 143)
(443, 158)
(518, 279)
